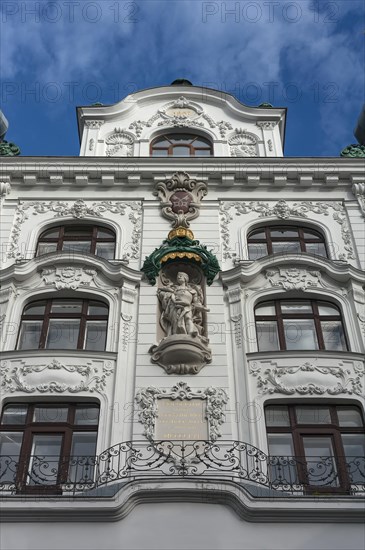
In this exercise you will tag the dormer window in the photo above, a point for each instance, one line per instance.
(181, 145)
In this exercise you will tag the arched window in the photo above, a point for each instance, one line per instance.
(299, 325)
(47, 445)
(320, 447)
(285, 239)
(78, 239)
(64, 324)
(181, 145)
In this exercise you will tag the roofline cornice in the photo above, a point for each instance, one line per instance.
(104, 172)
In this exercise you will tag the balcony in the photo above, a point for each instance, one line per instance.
(237, 462)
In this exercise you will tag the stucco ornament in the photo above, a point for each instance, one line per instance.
(54, 377)
(180, 198)
(358, 190)
(4, 188)
(315, 380)
(293, 278)
(78, 210)
(243, 144)
(68, 277)
(119, 144)
(184, 349)
(216, 400)
(284, 210)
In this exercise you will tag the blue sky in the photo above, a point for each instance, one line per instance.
(305, 55)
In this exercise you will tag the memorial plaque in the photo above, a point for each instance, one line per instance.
(181, 420)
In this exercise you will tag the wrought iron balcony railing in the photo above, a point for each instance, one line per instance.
(233, 460)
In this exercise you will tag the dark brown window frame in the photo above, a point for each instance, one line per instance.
(333, 430)
(30, 428)
(93, 239)
(154, 144)
(45, 318)
(315, 315)
(269, 240)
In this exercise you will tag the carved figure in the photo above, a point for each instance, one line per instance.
(182, 307)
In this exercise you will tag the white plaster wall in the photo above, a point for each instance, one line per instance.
(182, 526)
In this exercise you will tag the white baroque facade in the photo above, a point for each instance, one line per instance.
(139, 367)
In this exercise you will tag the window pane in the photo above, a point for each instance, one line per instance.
(46, 248)
(50, 414)
(14, 414)
(105, 250)
(82, 462)
(202, 152)
(199, 142)
(354, 447)
(76, 247)
(300, 334)
(181, 151)
(333, 335)
(257, 250)
(87, 415)
(286, 247)
(318, 249)
(44, 463)
(311, 234)
(63, 334)
(327, 309)
(10, 444)
(84, 231)
(97, 308)
(30, 333)
(160, 153)
(349, 417)
(277, 415)
(296, 307)
(284, 232)
(280, 444)
(35, 308)
(104, 233)
(83, 444)
(50, 234)
(66, 307)
(320, 463)
(267, 335)
(268, 308)
(282, 464)
(162, 143)
(258, 234)
(313, 415)
(95, 335)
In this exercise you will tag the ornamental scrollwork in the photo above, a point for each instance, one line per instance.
(95, 124)
(358, 190)
(68, 277)
(216, 399)
(78, 210)
(284, 211)
(119, 144)
(14, 377)
(180, 198)
(4, 188)
(243, 144)
(271, 381)
(293, 278)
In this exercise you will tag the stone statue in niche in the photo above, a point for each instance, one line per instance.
(182, 307)
(183, 348)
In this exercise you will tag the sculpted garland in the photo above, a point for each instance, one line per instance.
(78, 210)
